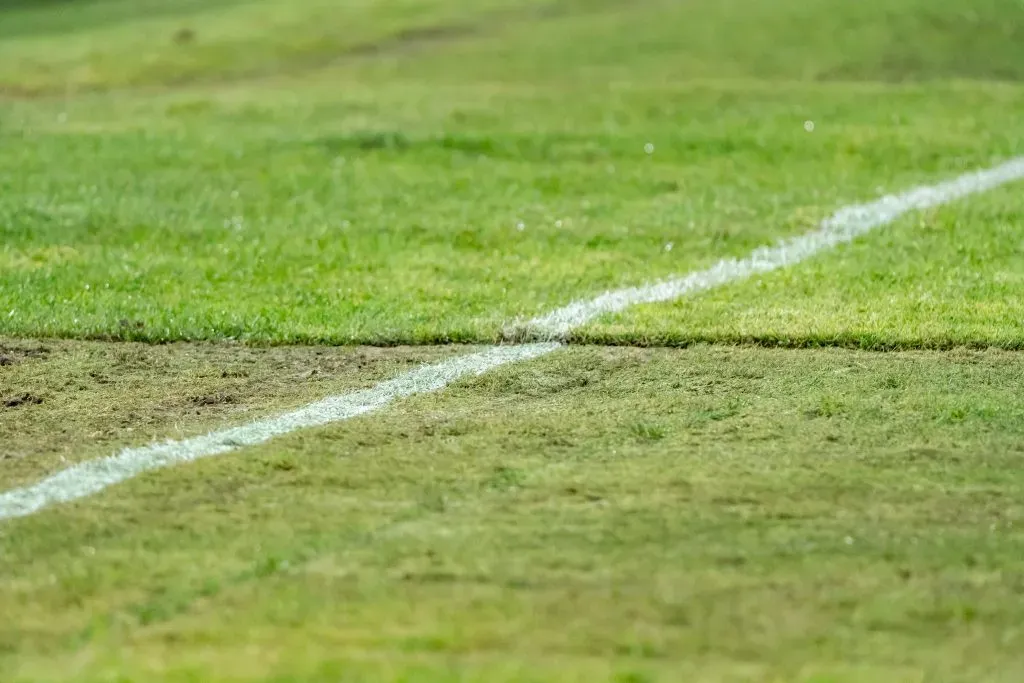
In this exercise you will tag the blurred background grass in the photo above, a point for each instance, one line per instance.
(50, 46)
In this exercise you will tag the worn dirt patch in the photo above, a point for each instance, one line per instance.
(79, 400)
(218, 398)
(21, 400)
(13, 353)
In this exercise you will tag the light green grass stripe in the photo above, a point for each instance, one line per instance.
(93, 476)
(843, 226)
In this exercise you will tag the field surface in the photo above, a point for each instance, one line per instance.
(289, 234)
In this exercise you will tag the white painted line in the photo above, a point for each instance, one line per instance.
(93, 476)
(841, 227)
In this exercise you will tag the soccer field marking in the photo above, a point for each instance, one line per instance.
(92, 476)
(843, 226)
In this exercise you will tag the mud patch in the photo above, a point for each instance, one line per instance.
(217, 399)
(19, 400)
(14, 353)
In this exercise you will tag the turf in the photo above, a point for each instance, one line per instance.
(450, 181)
(602, 514)
(63, 46)
(64, 402)
(54, 46)
(253, 181)
(949, 277)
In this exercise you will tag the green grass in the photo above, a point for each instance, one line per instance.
(950, 277)
(602, 514)
(81, 46)
(64, 402)
(235, 174)
(55, 46)
(378, 199)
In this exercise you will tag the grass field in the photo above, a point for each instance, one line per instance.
(213, 214)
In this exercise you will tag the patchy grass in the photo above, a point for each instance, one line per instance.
(801, 515)
(63, 402)
(415, 171)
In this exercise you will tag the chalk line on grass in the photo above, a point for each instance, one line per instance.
(843, 226)
(93, 476)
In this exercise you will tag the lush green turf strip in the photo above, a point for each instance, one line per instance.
(410, 194)
(713, 514)
(949, 277)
